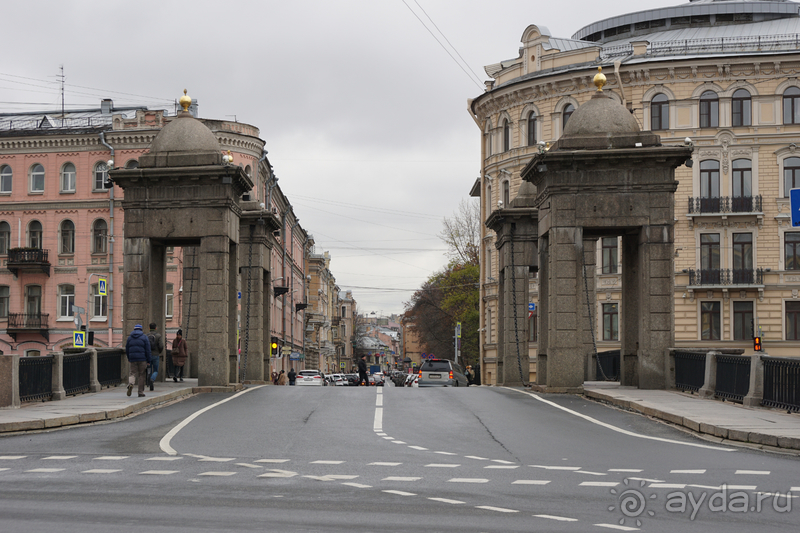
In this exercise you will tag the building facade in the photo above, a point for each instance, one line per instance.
(719, 75)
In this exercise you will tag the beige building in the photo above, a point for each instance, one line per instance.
(721, 75)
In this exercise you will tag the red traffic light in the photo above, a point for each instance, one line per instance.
(757, 344)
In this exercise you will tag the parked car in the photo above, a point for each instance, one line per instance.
(376, 380)
(310, 377)
(352, 379)
(338, 380)
(441, 373)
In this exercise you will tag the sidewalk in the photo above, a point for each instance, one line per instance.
(107, 404)
(769, 429)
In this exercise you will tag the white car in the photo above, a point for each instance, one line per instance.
(310, 377)
(339, 380)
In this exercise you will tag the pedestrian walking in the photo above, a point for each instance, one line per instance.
(282, 378)
(362, 371)
(137, 349)
(180, 352)
(468, 375)
(274, 378)
(156, 347)
(292, 376)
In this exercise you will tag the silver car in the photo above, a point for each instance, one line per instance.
(441, 373)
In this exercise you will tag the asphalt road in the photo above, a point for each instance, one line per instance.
(389, 459)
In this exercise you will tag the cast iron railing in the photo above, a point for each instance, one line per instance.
(76, 373)
(28, 320)
(690, 370)
(733, 377)
(608, 361)
(35, 378)
(711, 45)
(109, 366)
(27, 255)
(781, 382)
(725, 204)
(726, 276)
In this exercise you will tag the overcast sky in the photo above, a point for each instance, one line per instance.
(363, 113)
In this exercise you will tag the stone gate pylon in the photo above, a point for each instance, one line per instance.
(183, 194)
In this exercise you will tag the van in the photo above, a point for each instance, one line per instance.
(441, 373)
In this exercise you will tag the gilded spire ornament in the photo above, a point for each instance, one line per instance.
(599, 79)
(185, 101)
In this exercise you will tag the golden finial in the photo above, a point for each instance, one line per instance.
(599, 79)
(185, 101)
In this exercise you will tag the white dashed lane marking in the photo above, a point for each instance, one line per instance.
(559, 518)
(271, 461)
(326, 462)
(58, 457)
(398, 442)
(358, 485)
(476, 457)
(599, 484)
(399, 492)
(574, 468)
(619, 528)
(753, 472)
(687, 471)
(666, 486)
(445, 453)
(467, 480)
(441, 465)
(46, 470)
(629, 470)
(159, 472)
(400, 478)
(504, 467)
(590, 473)
(217, 474)
(530, 482)
(445, 500)
(384, 464)
(498, 509)
(13, 457)
(379, 401)
(111, 458)
(418, 448)
(279, 473)
(172, 458)
(100, 471)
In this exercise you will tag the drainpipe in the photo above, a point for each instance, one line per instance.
(110, 285)
(283, 273)
(291, 284)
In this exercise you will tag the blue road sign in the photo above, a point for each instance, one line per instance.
(794, 200)
(101, 287)
(531, 307)
(79, 339)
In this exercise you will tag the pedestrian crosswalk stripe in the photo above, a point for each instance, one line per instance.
(445, 500)
(441, 465)
(590, 473)
(271, 461)
(498, 509)
(666, 486)
(398, 442)
(219, 474)
(753, 472)
(357, 485)
(163, 458)
(384, 464)
(111, 458)
(100, 471)
(13, 457)
(504, 467)
(467, 480)
(400, 478)
(217, 459)
(249, 465)
(59, 457)
(502, 461)
(399, 492)
(599, 484)
(630, 470)
(476, 457)
(420, 448)
(326, 462)
(687, 471)
(559, 518)
(615, 526)
(4, 469)
(279, 473)
(556, 467)
(46, 470)
(530, 482)
(445, 453)
(159, 472)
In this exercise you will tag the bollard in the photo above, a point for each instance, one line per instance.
(9, 382)
(58, 377)
(755, 394)
(709, 388)
(94, 384)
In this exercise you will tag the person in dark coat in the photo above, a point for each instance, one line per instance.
(362, 371)
(137, 350)
(292, 375)
(179, 355)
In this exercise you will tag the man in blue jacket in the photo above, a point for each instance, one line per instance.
(138, 351)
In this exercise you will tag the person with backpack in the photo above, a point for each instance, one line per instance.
(137, 349)
(156, 347)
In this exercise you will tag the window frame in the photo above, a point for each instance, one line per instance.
(709, 110)
(5, 237)
(62, 233)
(795, 312)
(33, 175)
(506, 135)
(99, 240)
(712, 313)
(533, 322)
(609, 263)
(794, 264)
(741, 107)
(794, 169)
(708, 177)
(532, 128)
(659, 112)
(791, 103)
(566, 113)
(6, 179)
(99, 171)
(65, 299)
(742, 316)
(99, 303)
(38, 234)
(68, 178)
(610, 325)
(169, 301)
(5, 300)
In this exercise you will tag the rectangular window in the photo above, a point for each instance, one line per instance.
(344, 311)
(742, 321)
(99, 304)
(791, 247)
(611, 322)
(532, 323)
(709, 321)
(169, 304)
(743, 258)
(66, 300)
(792, 321)
(4, 293)
(709, 259)
(609, 255)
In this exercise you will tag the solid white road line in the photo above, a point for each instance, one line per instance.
(384, 464)
(467, 480)
(753, 472)
(46, 470)
(598, 484)
(441, 465)
(559, 518)
(13, 457)
(159, 472)
(400, 478)
(399, 492)
(271, 461)
(498, 509)
(357, 485)
(218, 474)
(165, 442)
(59, 457)
(111, 458)
(530, 482)
(687, 471)
(100, 471)
(615, 526)
(620, 430)
(574, 468)
(378, 422)
(445, 500)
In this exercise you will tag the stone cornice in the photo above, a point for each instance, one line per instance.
(10, 207)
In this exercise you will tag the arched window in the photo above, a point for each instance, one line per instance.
(532, 128)
(709, 186)
(100, 176)
(37, 178)
(659, 112)
(6, 175)
(709, 110)
(740, 108)
(791, 175)
(132, 164)
(35, 234)
(99, 234)
(791, 106)
(68, 178)
(67, 237)
(5, 237)
(506, 136)
(742, 175)
(565, 114)
(66, 299)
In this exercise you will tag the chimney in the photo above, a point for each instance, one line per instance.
(106, 105)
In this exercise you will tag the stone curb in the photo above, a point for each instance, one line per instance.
(730, 435)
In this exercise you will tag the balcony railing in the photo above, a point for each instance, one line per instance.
(28, 260)
(725, 205)
(725, 276)
(28, 322)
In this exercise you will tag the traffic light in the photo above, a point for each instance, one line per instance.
(273, 346)
(757, 344)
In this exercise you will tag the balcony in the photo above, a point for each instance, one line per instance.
(28, 323)
(725, 206)
(28, 260)
(725, 279)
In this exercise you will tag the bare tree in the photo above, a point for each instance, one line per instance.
(462, 233)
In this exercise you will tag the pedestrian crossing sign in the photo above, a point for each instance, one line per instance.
(342, 365)
(79, 339)
(101, 287)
